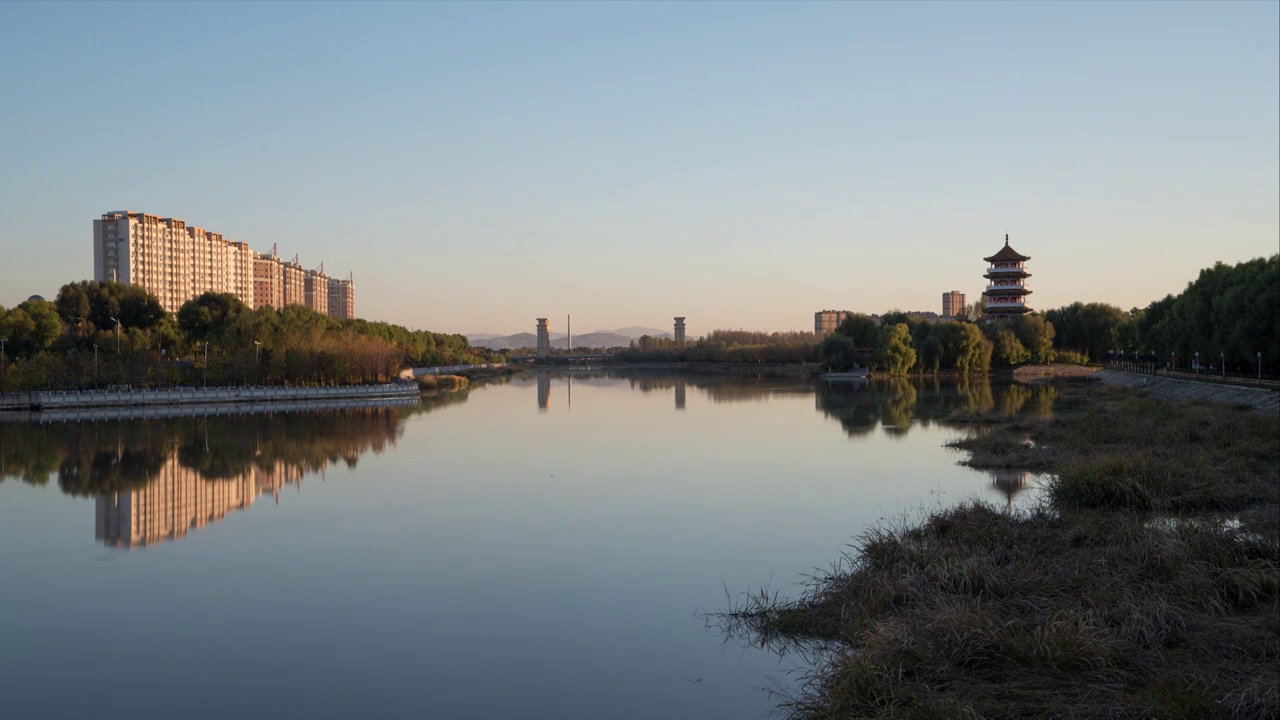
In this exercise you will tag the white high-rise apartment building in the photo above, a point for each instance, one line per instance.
(342, 298)
(177, 262)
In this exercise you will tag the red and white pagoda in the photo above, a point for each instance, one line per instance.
(1006, 293)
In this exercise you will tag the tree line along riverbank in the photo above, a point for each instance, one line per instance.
(99, 334)
(1146, 583)
(1229, 313)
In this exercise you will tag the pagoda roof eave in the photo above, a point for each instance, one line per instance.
(1007, 291)
(1007, 254)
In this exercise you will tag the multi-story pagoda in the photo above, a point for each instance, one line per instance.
(1006, 292)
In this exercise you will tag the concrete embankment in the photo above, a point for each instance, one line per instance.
(158, 412)
(1264, 401)
(46, 401)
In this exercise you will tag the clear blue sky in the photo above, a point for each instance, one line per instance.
(477, 165)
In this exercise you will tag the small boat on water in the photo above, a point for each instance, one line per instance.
(858, 373)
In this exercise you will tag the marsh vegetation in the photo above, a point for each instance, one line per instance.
(1145, 584)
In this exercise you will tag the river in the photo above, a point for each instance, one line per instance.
(538, 548)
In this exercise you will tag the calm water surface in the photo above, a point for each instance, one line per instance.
(540, 548)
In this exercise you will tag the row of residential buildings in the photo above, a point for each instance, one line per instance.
(177, 262)
(1005, 295)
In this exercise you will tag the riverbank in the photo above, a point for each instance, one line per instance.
(1259, 399)
(1146, 584)
(43, 401)
(1024, 373)
(751, 370)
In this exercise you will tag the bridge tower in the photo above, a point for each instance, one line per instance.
(679, 330)
(544, 338)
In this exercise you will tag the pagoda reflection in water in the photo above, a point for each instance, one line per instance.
(1009, 482)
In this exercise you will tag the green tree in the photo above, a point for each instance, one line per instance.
(31, 328)
(893, 350)
(838, 352)
(962, 347)
(1036, 335)
(861, 329)
(209, 315)
(1092, 328)
(1008, 351)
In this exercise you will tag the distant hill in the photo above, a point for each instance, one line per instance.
(505, 342)
(600, 338)
(636, 331)
(595, 339)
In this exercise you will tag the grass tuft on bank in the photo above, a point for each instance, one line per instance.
(1145, 584)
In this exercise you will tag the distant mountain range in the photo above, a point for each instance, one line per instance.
(621, 337)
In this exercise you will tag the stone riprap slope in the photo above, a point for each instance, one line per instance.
(1260, 399)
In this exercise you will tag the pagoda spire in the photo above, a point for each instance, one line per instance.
(1006, 239)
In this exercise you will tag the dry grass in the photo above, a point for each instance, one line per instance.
(1124, 595)
(446, 383)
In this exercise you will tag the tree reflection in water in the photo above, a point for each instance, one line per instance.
(154, 479)
(139, 469)
(895, 403)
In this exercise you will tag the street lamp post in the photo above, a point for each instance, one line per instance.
(117, 322)
(206, 364)
(1222, 364)
(1197, 362)
(1259, 366)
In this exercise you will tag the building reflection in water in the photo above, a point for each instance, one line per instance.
(1009, 482)
(155, 480)
(544, 390)
(179, 498)
(680, 386)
